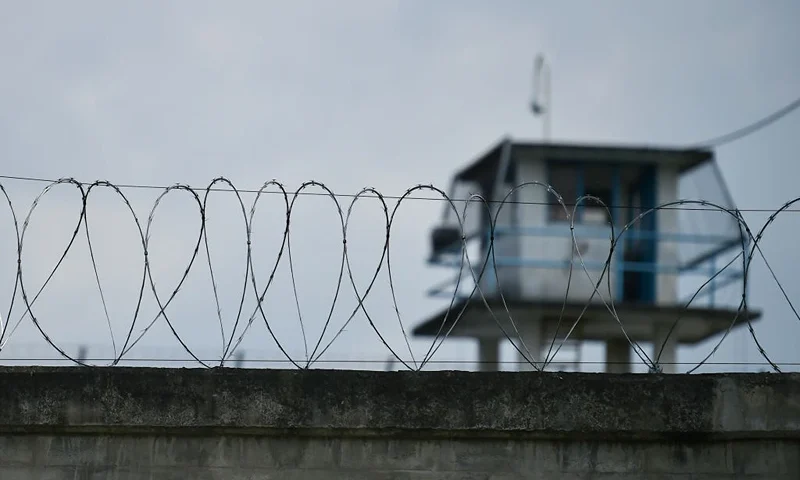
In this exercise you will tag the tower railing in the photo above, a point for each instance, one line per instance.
(710, 269)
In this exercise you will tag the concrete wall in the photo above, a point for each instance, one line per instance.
(129, 423)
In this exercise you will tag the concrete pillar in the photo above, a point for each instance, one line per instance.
(618, 356)
(669, 354)
(532, 335)
(488, 354)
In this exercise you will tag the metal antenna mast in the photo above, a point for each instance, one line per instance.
(541, 103)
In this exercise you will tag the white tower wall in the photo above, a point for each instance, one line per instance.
(667, 223)
(505, 246)
(551, 283)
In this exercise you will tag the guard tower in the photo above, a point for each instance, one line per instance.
(533, 249)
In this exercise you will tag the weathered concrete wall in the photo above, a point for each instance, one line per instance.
(130, 423)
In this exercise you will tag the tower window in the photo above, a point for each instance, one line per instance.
(574, 180)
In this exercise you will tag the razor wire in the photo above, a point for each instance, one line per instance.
(314, 348)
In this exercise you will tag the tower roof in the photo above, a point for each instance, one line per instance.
(684, 159)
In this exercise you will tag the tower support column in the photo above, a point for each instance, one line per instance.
(669, 354)
(488, 354)
(531, 334)
(618, 356)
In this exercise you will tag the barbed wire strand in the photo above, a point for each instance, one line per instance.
(383, 361)
(393, 197)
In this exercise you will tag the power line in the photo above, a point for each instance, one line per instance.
(749, 129)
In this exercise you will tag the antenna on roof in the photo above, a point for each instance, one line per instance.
(541, 101)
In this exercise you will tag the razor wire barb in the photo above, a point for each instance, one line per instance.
(315, 348)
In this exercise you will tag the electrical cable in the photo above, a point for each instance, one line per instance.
(749, 129)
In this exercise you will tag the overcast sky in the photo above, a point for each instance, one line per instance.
(384, 94)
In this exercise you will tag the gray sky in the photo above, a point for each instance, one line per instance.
(386, 94)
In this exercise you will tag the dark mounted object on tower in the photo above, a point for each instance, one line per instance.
(445, 238)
